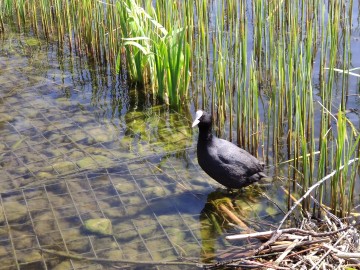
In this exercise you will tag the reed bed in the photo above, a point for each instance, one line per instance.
(330, 243)
(121, 34)
(274, 72)
(267, 70)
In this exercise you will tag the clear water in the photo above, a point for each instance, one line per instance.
(77, 143)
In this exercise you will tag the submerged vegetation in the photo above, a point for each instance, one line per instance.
(276, 74)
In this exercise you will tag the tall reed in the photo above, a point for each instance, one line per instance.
(118, 33)
(266, 69)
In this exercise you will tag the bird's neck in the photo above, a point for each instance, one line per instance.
(205, 133)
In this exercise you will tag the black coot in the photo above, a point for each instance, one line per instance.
(228, 164)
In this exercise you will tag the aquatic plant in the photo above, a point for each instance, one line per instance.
(116, 33)
(287, 39)
(267, 70)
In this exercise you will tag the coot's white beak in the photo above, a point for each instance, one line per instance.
(199, 113)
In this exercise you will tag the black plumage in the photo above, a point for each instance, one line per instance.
(225, 162)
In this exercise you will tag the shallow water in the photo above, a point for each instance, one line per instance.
(77, 144)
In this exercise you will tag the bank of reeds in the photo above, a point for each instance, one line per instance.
(267, 70)
(121, 34)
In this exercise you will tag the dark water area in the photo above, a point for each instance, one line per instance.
(78, 143)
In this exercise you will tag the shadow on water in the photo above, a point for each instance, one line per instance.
(231, 212)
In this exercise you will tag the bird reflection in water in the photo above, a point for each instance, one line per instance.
(227, 212)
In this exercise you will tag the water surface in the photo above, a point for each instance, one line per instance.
(79, 144)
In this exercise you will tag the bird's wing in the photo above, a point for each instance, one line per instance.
(237, 158)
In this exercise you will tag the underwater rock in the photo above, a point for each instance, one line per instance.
(79, 245)
(124, 155)
(55, 138)
(15, 212)
(148, 230)
(79, 136)
(65, 265)
(100, 226)
(88, 162)
(113, 254)
(125, 233)
(126, 142)
(4, 117)
(55, 152)
(23, 242)
(114, 212)
(135, 122)
(125, 187)
(271, 211)
(133, 199)
(176, 235)
(44, 175)
(30, 112)
(43, 224)
(76, 155)
(72, 233)
(100, 135)
(103, 160)
(7, 260)
(154, 192)
(98, 151)
(28, 257)
(2, 147)
(64, 166)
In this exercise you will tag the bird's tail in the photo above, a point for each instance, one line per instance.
(258, 176)
(262, 175)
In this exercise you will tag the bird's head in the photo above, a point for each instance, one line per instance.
(202, 119)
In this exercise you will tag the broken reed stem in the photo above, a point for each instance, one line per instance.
(282, 248)
(233, 217)
(288, 194)
(328, 252)
(289, 231)
(311, 189)
(286, 251)
(276, 234)
(342, 254)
